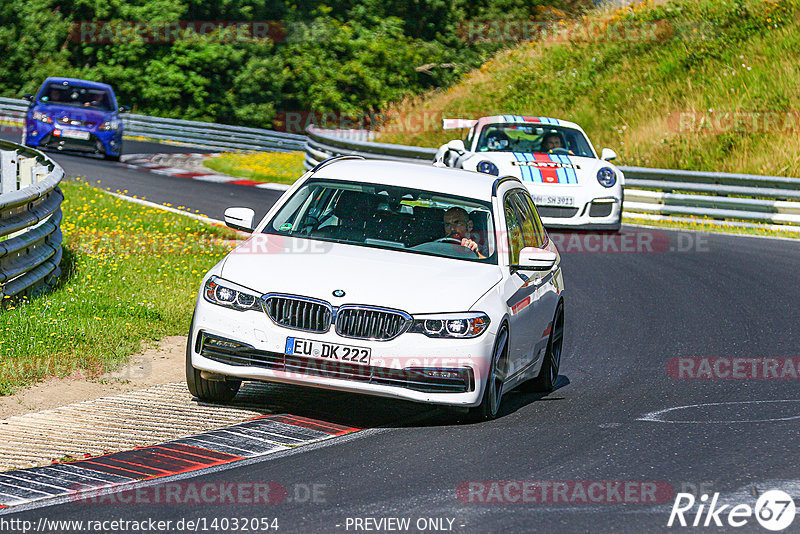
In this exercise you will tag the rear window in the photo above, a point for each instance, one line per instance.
(77, 96)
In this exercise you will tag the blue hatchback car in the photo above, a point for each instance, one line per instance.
(70, 114)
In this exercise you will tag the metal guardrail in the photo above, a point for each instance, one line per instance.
(654, 193)
(30, 218)
(207, 135)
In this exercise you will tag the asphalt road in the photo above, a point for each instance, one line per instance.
(627, 315)
(207, 198)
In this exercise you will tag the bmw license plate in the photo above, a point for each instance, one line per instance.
(75, 134)
(549, 200)
(327, 351)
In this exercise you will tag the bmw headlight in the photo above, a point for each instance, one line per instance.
(223, 293)
(452, 325)
(607, 177)
(42, 117)
(487, 167)
(111, 125)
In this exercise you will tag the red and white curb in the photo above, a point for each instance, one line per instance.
(258, 437)
(150, 163)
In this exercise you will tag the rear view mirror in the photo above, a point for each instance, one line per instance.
(457, 145)
(607, 154)
(536, 259)
(124, 109)
(240, 218)
(28, 97)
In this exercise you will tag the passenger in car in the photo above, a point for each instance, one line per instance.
(458, 226)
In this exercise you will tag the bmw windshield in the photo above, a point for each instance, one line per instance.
(389, 217)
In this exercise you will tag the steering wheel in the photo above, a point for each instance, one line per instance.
(454, 241)
(560, 151)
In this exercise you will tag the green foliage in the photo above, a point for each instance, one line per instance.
(352, 56)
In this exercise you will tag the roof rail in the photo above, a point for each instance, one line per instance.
(334, 158)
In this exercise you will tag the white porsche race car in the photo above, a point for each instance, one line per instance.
(571, 186)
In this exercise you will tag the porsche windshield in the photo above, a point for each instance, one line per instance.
(389, 217)
(534, 139)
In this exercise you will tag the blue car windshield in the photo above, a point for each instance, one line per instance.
(74, 95)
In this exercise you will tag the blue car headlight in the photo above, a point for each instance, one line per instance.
(606, 177)
(223, 293)
(111, 125)
(487, 167)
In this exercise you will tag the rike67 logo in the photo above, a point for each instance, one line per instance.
(774, 510)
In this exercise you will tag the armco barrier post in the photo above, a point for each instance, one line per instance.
(8, 171)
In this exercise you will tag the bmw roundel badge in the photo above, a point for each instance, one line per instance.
(338, 293)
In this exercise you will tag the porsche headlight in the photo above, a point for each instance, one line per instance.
(453, 325)
(223, 293)
(487, 167)
(606, 177)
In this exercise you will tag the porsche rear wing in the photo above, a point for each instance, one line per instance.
(456, 124)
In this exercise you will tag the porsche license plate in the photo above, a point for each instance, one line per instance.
(327, 351)
(75, 134)
(550, 200)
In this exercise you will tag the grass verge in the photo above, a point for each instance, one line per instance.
(707, 225)
(131, 274)
(274, 167)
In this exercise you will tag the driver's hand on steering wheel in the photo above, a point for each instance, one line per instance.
(472, 245)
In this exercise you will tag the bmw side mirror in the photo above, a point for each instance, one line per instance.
(240, 218)
(536, 259)
(457, 145)
(124, 109)
(28, 97)
(607, 154)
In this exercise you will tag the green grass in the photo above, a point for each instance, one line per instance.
(687, 84)
(274, 167)
(707, 225)
(131, 274)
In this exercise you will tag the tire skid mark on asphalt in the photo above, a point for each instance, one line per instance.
(257, 437)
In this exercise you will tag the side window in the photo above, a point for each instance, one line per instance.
(525, 218)
(470, 137)
(513, 230)
(541, 233)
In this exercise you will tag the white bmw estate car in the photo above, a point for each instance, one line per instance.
(399, 280)
(571, 186)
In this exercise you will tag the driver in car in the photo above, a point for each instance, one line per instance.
(552, 141)
(457, 226)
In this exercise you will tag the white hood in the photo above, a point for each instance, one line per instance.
(507, 163)
(414, 283)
